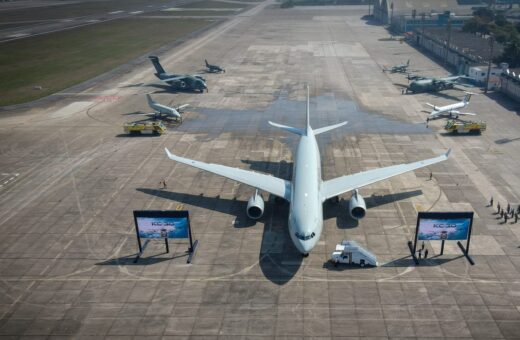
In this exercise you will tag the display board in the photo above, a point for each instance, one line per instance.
(162, 227)
(443, 226)
(163, 224)
(449, 229)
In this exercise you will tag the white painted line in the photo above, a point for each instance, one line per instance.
(93, 20)
(136, 12)
(18, 35)
(116, 12)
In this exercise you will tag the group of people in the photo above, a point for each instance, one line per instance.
(508, 213)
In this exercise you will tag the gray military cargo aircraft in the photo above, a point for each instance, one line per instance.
(307, 192)
(179, 81)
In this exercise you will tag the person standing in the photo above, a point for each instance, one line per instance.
(426, 253)
(491, 201)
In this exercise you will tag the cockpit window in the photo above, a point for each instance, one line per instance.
(304, 237)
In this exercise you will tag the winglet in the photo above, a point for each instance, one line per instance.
(170, 155)
(308, 126)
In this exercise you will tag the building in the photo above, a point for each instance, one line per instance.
(386, 11)
(510, 84)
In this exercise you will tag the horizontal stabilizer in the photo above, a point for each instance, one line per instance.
(328, 128)
(431, 105)
(288, 128)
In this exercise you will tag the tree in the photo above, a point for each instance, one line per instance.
(511, 53)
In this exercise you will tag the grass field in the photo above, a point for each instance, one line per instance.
(214, 4)
(59, 60)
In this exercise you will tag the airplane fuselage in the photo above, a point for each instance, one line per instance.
(448, 109)
(306, 208)
(164, 110)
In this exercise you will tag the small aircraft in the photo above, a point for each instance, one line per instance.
(179, 81)
(450, 110)
(213, 68)
(161, 110)
(402, 68)
(307, 191)
(427, 84)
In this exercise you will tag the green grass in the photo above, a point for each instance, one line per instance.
(59, 60)
(75, 10)
(214, 4)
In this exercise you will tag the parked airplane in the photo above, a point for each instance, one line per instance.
(402, 68)
(431, 84)
(307, 191)
(214, 68)
(450, 110)
(179, 81)
(161, 111)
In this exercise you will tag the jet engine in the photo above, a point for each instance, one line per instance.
(357, 206)
(255, 206)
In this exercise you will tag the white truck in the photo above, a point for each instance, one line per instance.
(351, 252)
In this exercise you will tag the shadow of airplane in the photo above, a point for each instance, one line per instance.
(281, 169)
(506, 140)
(223, 205)
(170, 89)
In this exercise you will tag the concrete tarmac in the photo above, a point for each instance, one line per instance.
(70, 179)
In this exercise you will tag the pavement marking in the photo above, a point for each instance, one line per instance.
(136, 12)
(115, 12)
(71, 109)
(18, 35)
(6, 178)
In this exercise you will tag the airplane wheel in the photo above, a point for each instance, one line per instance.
(305, 254)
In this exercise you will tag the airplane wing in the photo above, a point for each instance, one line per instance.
(173, 79)
(337, 186)
(467, 113)
(274, 185)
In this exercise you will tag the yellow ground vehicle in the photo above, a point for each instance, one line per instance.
(145, 128)
(454, 126)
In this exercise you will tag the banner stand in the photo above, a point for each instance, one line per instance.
(164, 218)
(440, 216)
(465, 252)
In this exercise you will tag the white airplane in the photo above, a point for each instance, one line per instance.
(450, 110)
(307, 192)
(161, 110)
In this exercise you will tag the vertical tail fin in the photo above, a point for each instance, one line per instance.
(156, 64)
(308, 125)
(150, 100)
(467, 97)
